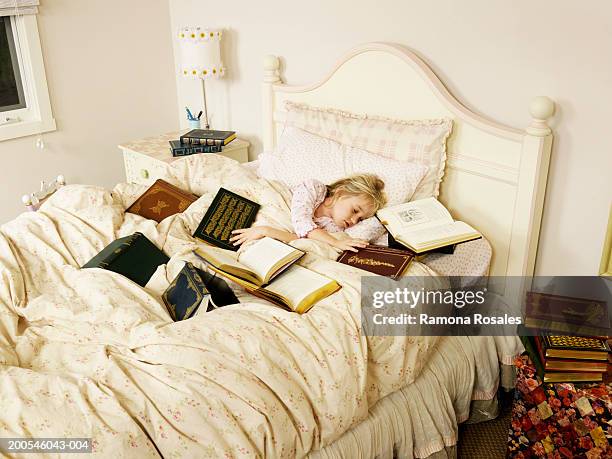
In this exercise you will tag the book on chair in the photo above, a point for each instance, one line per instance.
(267, 269)
(425, 225)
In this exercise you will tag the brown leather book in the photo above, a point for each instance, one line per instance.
(565, 314)
(380, 260)
(161, 200)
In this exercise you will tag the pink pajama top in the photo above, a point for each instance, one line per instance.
(307, 196)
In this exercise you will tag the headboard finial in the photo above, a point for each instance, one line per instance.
(271, 67)
(541, 108)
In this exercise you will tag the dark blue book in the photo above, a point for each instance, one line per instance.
(193, 289)
(186, 293)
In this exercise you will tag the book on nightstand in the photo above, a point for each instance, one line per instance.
(227, 212)
(161, 200)
(180, 149)
(380, 260)
(267, 269)
(425, 225)
(207, 137)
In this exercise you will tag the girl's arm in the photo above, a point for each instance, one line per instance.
(351, 244)
(281, 235)
(240, 236)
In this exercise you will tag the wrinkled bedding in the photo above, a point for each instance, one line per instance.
(88, 353)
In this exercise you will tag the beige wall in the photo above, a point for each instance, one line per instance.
(110, 72)
(494, 56)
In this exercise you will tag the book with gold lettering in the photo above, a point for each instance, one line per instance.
(161, 200)
(380, 260)
(227, 212)
(267, 269)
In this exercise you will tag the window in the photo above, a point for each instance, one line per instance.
(24, 98)
(11, 87)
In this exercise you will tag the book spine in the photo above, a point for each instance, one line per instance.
(186, 151)
(190, 142)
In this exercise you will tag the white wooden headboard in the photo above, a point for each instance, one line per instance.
(495, 175)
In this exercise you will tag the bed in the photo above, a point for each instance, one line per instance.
(252, 380)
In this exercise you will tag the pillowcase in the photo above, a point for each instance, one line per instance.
(301, 156)
(417, 141)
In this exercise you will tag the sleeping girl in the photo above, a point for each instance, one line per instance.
(318, 210)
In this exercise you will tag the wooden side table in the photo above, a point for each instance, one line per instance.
(147, 159)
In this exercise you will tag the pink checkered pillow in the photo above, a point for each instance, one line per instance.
(416, 141)
(300, 156)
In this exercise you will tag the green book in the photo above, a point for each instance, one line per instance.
(227, 212)
(134, 257)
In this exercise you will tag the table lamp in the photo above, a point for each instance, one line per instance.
(201, 57)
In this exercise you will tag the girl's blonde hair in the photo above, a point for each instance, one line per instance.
(369, 185)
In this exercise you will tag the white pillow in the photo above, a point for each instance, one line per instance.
(416, 141)
(301, 156)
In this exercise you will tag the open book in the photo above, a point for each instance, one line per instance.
(258, 264)
(425, 225)
(297, 289)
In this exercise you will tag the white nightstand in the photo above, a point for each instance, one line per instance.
(146, 160)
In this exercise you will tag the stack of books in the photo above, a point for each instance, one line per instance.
(582, 357)
(560, 358)
(201, 141)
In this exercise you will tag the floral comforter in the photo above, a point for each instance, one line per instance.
(88, 353)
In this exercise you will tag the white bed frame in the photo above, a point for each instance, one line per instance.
(495, 176)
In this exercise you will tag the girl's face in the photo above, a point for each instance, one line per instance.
(348, 210)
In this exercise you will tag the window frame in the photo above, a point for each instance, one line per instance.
(37, 116)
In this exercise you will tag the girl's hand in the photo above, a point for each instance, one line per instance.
(240, 236)
(350, 244)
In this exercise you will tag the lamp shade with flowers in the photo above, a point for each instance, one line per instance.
(201, 52)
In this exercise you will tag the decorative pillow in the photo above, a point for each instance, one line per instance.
(416, 141)
(301, 155)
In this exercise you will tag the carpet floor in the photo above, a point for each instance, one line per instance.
(486, 440)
